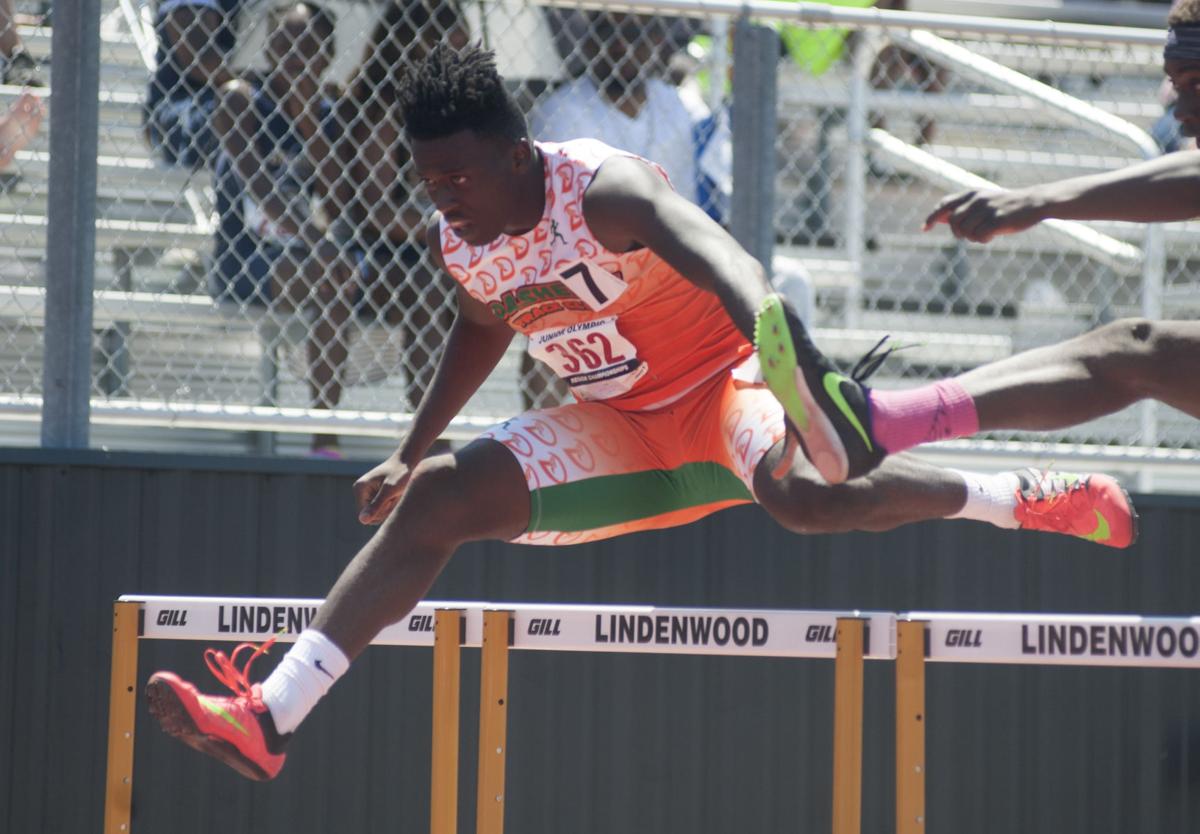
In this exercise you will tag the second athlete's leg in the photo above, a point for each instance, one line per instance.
(1049, 388)
(1089, 376)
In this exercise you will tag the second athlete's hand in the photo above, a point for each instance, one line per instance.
(980, 216)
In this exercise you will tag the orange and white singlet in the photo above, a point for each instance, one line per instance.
(665, 431)
(625, 328)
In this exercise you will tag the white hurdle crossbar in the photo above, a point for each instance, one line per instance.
(847, 637)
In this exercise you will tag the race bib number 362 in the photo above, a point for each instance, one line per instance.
(593, 357)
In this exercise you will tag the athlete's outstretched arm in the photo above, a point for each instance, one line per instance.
(629, 205)
(476, 343)
(1157, 191)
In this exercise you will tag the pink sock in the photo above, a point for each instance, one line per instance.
(903, 419)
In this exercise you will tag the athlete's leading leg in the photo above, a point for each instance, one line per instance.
(477, 493)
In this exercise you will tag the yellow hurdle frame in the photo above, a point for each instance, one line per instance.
(449, 637)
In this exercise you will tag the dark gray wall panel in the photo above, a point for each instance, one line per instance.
(597, 743)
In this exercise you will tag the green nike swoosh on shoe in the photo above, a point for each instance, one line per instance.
(1103, 531)
(223, 714)
(827, 410)
(1090, 507)
(236, 730)
(833, 387)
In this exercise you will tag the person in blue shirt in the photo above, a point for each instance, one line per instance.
(375, 220)
(196, 39)
(274, 170)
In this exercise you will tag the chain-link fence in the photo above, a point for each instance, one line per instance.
(24, 164)
(259, 253)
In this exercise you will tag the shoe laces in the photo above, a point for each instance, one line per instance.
(1053, 499)
(224, 668)
(873, 358)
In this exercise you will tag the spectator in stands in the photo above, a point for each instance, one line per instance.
(17, 66)
(275, 168)
(1165, 130)
(195, 42)
(617, 95)
(18, 126)
(814, 52)
(376, 225)
(898, 68)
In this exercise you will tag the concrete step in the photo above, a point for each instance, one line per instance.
(30, 231)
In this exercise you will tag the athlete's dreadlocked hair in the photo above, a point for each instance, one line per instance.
(454, 91)
(1184, 13)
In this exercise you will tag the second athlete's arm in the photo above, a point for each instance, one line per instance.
(1158, 191)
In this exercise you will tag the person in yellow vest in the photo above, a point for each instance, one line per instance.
(815, 51)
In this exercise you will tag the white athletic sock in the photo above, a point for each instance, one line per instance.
(302, 678)
(990, 498)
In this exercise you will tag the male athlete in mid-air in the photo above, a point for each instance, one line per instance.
(648, 309)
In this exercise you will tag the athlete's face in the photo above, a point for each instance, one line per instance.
(472, 180)
(1185, 78)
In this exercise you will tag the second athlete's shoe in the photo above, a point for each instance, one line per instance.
(236, 730)
(1090, 507)
(826, 410)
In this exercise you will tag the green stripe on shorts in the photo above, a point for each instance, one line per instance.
(614, 499)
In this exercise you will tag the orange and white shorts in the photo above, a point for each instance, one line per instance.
(595, 471)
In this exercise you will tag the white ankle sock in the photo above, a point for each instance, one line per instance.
(990, 498)
(302, 678)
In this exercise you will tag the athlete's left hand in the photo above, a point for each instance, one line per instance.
(378, 492)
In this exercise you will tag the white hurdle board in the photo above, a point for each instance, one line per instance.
(954, 637)
(644, 629)
(1061, 639)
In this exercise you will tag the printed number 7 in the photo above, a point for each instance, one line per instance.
(581, 269)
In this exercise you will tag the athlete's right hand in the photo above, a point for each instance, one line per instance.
(980, 216)
(378, 491)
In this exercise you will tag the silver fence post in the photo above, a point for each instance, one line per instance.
(71, 217)
(719, 65)
(856, 169)
(755, 58)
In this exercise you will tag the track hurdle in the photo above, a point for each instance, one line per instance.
(911, 639)
(847, 637)
(1015, 639)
